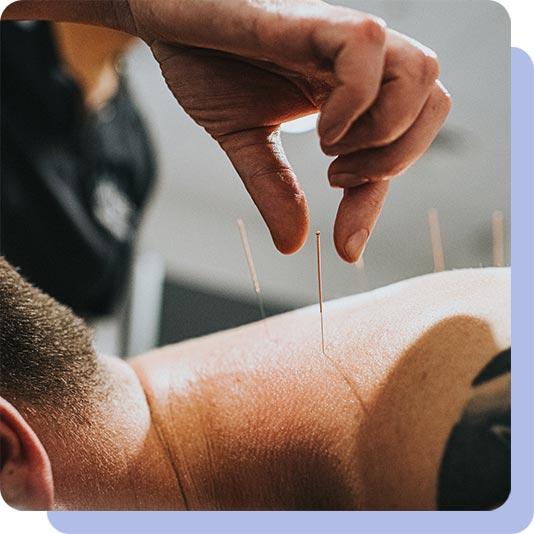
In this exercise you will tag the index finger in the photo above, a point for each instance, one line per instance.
(356, 47)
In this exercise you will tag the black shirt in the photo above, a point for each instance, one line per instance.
(73, 182)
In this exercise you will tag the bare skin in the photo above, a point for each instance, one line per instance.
(90, 53)
(258, 418)
(241, 68)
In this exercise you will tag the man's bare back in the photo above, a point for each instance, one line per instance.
(259, 418)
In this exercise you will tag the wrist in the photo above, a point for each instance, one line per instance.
(115, 14)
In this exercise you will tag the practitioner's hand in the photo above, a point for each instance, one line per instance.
(241, 68)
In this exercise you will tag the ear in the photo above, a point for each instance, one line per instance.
(25, 474)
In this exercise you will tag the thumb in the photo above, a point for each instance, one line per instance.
(258, 157)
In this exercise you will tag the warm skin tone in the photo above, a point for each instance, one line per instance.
(241, 68)
(90, 53)
(258, 418)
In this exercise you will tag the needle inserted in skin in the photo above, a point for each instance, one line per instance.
(435, 237)
(320, 286)
(497, 230)
(362, 275)
(346, 376)
(251, 268)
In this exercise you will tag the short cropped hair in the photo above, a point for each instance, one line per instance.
(47, 360)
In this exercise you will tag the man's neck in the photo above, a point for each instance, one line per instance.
(116, 460)
(245, 428)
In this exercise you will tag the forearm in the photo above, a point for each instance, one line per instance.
(113, 14)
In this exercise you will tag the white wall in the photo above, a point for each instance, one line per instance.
(191, 220)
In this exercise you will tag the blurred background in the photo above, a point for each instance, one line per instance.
(190, 276)
(191, 221)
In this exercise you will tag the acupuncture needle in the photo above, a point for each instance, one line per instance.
(320, 285)
(362, 274)
(333, 362)
(435, 238)
(251, 267)
(497, 231)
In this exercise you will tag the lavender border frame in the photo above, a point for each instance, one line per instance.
(516, 513)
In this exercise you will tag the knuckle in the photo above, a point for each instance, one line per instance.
(444, 97)
(373, 29)
(428, 66)
(440, 101)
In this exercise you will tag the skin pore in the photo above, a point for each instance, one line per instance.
(258, 418)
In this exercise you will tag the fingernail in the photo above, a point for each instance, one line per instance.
(347, 180)
(355, 244)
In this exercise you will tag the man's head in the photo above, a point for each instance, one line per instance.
(48, 370)
(47, 359)
(75, 428)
